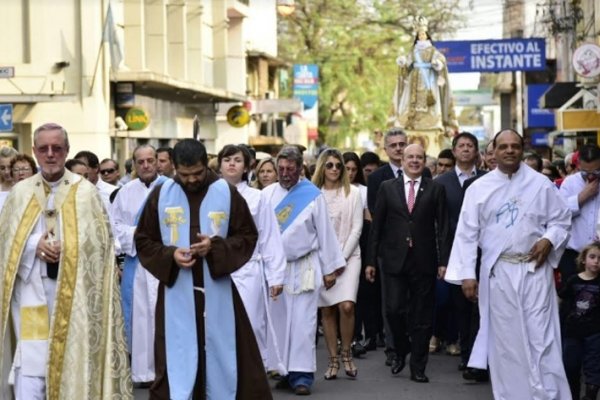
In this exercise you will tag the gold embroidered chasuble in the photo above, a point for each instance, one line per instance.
(87, 354)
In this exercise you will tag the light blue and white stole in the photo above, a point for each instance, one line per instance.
(425, 69)
(129, 269)
(300, 196)
(180, 314)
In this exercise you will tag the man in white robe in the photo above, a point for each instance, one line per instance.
(59, 286)
(313, 256)
(521, 224)
(139, 288)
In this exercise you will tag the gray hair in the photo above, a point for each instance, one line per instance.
(143, 146)
(393, 132)
(291, 153)
(51, 126)
(7, 152)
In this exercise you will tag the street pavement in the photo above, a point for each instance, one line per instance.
(375, 381)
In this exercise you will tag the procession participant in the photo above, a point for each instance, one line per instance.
(345, 209)
(59, 285)
(93, 164)
(164, 161)
(266, 173)
(139, 289)
(313, 255)
(268, 260)
(521, 224)
(109, 171)
(6, 181)
(194, 232)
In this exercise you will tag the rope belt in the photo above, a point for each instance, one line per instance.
(515, 258)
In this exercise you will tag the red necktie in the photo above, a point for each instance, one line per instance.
(411, 196)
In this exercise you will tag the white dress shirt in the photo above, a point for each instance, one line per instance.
(583, 225)
(407, 181)
(462, 176)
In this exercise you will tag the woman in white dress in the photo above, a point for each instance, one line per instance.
(268, 261)
(346, 213)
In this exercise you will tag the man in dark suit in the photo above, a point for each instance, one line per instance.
(465, 151)
(394, 142)
(410, 237)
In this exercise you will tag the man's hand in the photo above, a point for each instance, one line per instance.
(441, 272)
(202, 247)
(370, 273)
(470, 289)
(183, 257)
(48, 250)
(539, 252)
(589, 190)
(329, 280)
(275, 291)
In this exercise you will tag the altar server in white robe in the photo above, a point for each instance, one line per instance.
(313, 256)
(139, 289)
(521, 224)
(268, 260)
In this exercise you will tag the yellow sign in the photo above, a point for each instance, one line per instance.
(137, 119)
(238, 116)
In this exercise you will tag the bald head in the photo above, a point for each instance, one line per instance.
(413, 161)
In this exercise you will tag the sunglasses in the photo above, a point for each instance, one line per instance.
(107, 171)
(330, 165)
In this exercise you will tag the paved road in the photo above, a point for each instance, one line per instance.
(375, 382)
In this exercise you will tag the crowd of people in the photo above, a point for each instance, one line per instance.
(203, 277)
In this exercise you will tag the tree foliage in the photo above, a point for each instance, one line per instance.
(355, 45)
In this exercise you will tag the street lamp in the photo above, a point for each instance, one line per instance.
(285, 8)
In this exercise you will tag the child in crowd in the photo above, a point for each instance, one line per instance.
(580, 315)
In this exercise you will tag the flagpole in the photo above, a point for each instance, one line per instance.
(98, 56)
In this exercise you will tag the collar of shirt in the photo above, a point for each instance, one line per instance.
(460, 173)
(407, 180)
(395, 169)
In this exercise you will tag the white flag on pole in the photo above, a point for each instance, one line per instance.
(109, 34)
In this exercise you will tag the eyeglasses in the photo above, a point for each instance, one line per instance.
(55, 149)
(19, 170)
(330, 165)
(586, 174)
(107, 171)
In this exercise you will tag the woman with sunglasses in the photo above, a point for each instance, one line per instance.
(266, 173)
(346, 213)
(268, 260)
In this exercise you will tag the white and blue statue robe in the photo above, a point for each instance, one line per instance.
(312, 251)
(227, 364)
(519, 334)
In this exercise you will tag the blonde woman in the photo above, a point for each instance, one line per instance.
(266, 173)
(346, 213)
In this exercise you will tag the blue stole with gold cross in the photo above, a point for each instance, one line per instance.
(300, 196)
(180, 311)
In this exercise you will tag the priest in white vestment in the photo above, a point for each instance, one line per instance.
(522, 225)
(59, 287)
(313, 256)
(138, 287)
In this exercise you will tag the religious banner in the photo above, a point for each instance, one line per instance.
(306, 89)
(494, 55)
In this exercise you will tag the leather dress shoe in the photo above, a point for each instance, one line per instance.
(302, 390)
(398, 364)
(390, 356)
(370, 344)
(462, 366)
(476, 374)
(419, 377)
(283, 384)
(357, 349)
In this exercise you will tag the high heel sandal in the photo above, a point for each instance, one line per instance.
(349, 366)
(332, 368)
